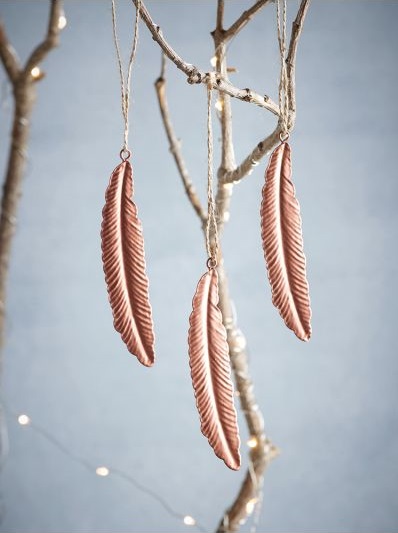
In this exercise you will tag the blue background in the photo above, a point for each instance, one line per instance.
(331, 404)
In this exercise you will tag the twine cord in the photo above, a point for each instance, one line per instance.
(125, 83)
(283, 81)
(211, 247)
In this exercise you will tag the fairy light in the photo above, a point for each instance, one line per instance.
(35, 73)
(23, 420)
(240, 340)
(252, 442)
(219, 105)
(102, 471)
(189, 520)
(62, 22)
(250, 506)
(213, 61)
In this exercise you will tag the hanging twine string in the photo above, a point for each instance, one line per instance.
(125, 83)
(283, 81)
(212, 248)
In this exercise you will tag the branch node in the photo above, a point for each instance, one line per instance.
(249, 96)
(195, 76)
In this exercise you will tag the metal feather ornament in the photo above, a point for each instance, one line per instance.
(122, 241)
(283, 244)
(211, 372)
(123, 257)
(281, 221)
(208, 348)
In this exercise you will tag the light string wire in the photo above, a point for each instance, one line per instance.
(283, 93)
(211, 247)
(125, 83)
(115, 472)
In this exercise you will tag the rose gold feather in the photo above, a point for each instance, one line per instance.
(211, 372)
(124, 266)
(283, 244)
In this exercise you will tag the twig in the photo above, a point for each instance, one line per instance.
(50, 41)
(8, 56)
(198, 76)
(24, 90)
(174, 143)
(265, 146)
(262, 149)
(220, 15)
(245, 17)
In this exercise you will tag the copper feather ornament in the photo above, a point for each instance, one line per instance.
(283, 244)
(124, 266)
(211, 372)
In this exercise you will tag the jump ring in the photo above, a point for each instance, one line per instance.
(211, 263)
(125, 154)
(283, 137)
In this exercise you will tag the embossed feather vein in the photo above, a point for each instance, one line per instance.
(124, 266)
(283, 244)
(211, 372)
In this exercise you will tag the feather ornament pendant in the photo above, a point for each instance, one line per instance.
(124, 266)
(283, 244)
(211, 372)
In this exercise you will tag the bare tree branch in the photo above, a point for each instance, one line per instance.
(175, 149)
(198, 76)
(245, 17)
(220, 15)
(265, 146)
(8, 56)
(262, 149)
(50, 41)
(297, 28)
(263, 451)
(24, 95)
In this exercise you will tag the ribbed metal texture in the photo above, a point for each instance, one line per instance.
(124, 266)
(211, 372)
(283, 244)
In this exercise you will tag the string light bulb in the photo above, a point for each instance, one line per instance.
(36, 73)
(251, 504)
(218, 105)
(213, 61)
(62, 22)
(23, 420)
(102, 471)
(252, 442)
(240, 340)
